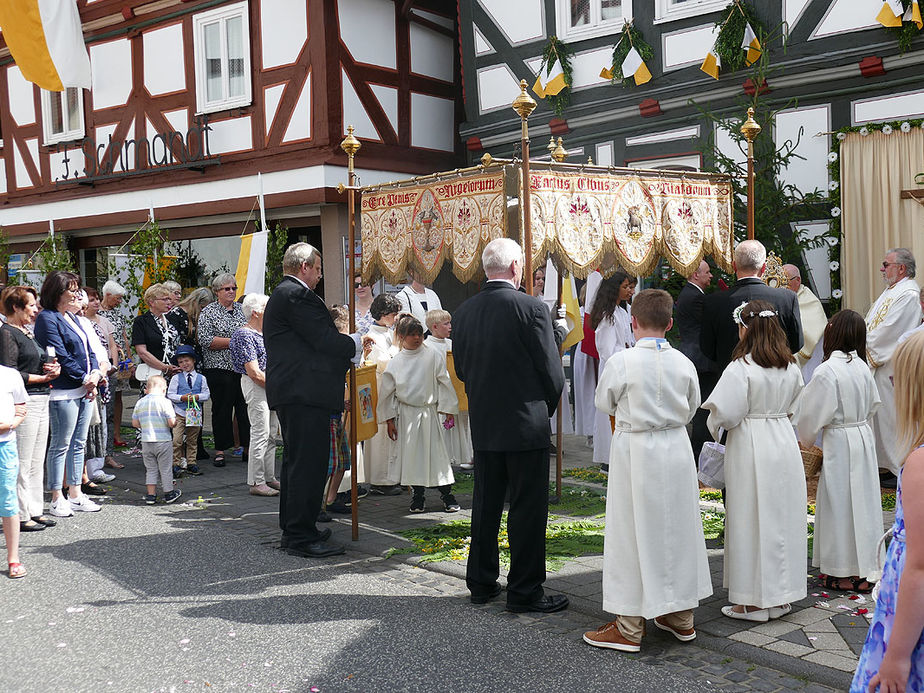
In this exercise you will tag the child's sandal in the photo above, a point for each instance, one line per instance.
(17, 571)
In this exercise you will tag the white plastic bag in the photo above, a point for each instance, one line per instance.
(712, 464)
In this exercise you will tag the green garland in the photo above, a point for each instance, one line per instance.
(621, 50)
(731, 25)
(905, 33)
(556, 49)
(833, 237)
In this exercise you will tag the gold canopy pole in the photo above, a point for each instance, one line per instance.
(524, 105)
(351, 145)
(558, 154)
(750, 130)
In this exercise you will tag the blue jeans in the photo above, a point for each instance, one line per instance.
(69, 421)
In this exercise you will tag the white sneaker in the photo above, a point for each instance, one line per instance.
(103, 478)
(84, 504)
(61, 508)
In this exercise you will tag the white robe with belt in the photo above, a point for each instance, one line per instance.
(458, 439)
(612, 336)
(654, 558)
(415, 388)
(765, 518)
(839, 401)
(585, 375)
(897, 310)
(379, 452)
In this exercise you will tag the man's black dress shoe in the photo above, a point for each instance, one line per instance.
(318, 549)
(547, 605)
(325, 535)
(485, 598)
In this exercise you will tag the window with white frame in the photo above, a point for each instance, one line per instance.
(580, 19)
(667, 10)
(62, 115)
(221, 39)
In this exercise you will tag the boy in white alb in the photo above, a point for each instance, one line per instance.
(155, 416)
(654, 558)
(458, 438)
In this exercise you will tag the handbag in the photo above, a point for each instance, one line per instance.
(194, 414)
(712, 464)
(143, 371)
(95, 418)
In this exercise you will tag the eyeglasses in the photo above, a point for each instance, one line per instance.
(886, 264)
(228, 288)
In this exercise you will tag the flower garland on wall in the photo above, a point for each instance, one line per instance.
(557, 52)
(833, 237)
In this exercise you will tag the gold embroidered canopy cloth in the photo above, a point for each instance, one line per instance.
(585, 217)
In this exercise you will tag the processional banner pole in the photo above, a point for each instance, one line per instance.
(750, 129)
(351, 145)
(559, 441)
(524, 105)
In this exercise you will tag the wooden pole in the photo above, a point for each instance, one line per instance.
(750, 129)
(559, 441)
(351, 145)
(524, 105)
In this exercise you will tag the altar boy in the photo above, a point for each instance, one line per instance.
(654, 558)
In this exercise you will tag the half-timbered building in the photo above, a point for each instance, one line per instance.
(192, 99)
(840, 67)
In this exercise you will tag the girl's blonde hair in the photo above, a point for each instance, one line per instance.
(909, 391)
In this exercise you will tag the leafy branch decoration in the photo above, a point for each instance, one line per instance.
(907, 32)
(555, 49)
(631, 38)
(731, 25)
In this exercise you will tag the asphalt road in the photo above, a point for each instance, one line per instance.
(173, 598)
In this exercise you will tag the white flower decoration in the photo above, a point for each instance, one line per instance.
(831, 240)
(864, 131)
(832, 157)
(886, 129)
(905, 127)
(833, 185)
(835, 211)
(841, 136)
(834, 265)
(837, 293)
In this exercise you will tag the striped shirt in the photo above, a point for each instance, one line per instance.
(152, 412)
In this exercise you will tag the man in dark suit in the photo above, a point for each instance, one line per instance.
(689, 320)
(719, 334)
(506, 356)
(306, 364)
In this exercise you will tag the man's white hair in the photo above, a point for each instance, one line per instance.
(113, 288)
(499, 254)
(750, 255)
(904, 257)
(297, 255)
(254, 303)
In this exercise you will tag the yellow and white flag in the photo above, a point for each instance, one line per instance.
(634, 66)
(46, 41)
(573, 313)
(751, 45)
(711, 64)
(554, 81)
(913, 14)
(891, 13)
(251, 264)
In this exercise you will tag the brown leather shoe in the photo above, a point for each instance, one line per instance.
(685, 635)
(608, 636)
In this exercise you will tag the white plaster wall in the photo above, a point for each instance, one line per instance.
(353, 112)
(271, 96)
(375, 46)
(729, 147)
(22, 174)
(482, 47)
(816, 259)
(688, 46)
(179, 119)
(431, 53)
(300, 124)
(497, 87)
(164, 70)
(2, 176)
(232, 135)
(604, 154)
(811, 172)
(792, 9)
(388, 98)
(432, 122)
(845, 16)
(111, 72)
(21, 95)
(905, 105)
(283, 30)
(520, 20)
(664, 136)
(586, 67)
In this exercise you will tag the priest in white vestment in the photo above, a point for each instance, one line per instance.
(897, 310)
(654, 560)
(814, 320)
(838, 402)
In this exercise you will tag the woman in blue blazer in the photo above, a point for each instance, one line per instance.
(72, 392)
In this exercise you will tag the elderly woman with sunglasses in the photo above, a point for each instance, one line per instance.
(217, 322)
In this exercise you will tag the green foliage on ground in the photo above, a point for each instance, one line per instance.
(578, 502)
(592, 474)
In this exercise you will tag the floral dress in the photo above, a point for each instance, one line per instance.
(877, 638)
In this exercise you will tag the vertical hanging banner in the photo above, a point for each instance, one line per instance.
(421, 226)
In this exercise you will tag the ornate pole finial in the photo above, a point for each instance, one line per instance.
(524, 104)
(750, 129)
(350, 145)
(559, 154)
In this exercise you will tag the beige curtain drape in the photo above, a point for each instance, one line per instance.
(874, 171)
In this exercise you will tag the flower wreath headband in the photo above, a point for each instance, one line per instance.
(738, 312)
